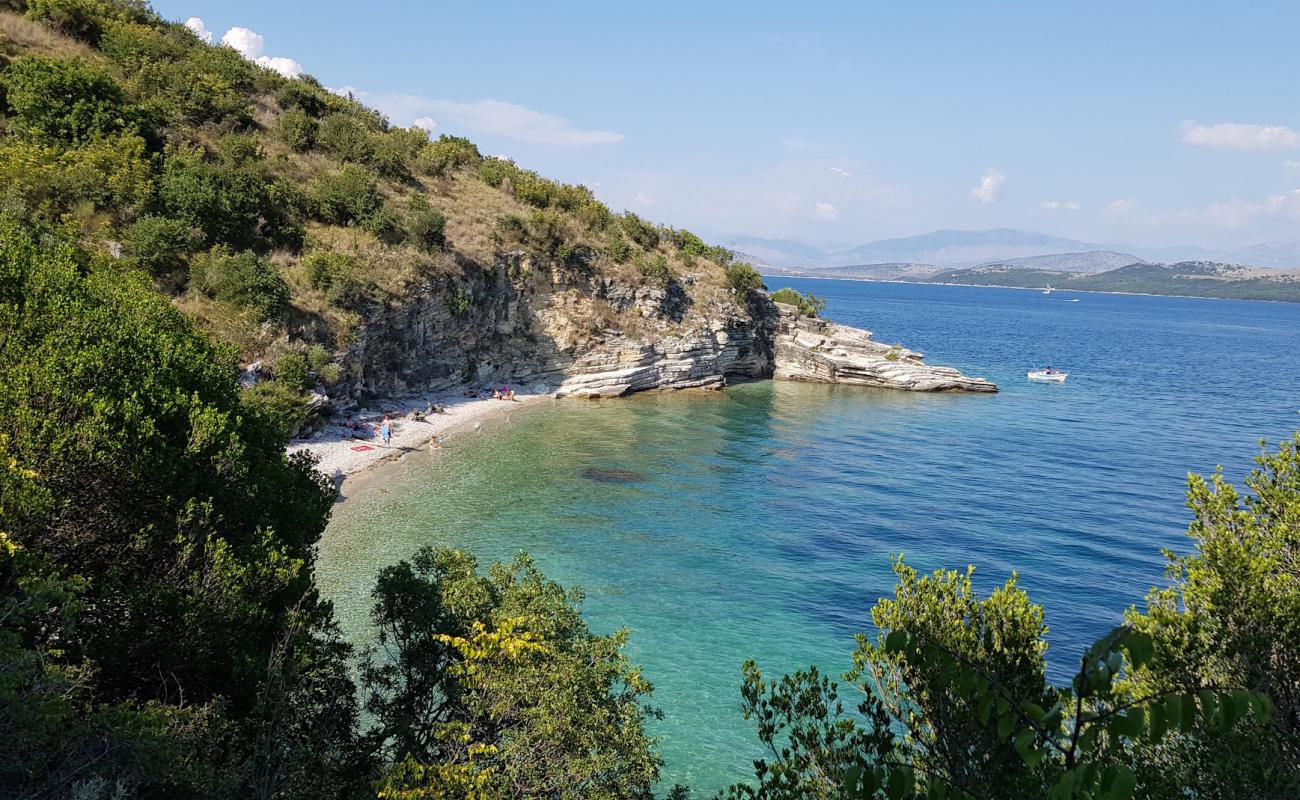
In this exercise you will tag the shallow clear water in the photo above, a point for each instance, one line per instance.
(760, 520)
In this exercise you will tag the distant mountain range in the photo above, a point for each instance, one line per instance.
(953, 249)
(1188, 278)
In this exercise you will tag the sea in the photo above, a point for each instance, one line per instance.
(759, 522)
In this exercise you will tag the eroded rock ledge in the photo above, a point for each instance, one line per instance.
(821, 351)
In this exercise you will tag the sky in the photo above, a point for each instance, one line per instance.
(1152, 123)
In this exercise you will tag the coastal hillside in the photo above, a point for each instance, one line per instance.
(1191, 279)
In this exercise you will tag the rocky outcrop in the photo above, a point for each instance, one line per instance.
(821, 351)
(529, 323)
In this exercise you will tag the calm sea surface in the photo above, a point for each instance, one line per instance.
(763, 518)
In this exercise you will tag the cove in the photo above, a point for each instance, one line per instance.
(758, 522)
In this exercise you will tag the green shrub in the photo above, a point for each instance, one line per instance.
(448, 154)
(384, 224)
(293, 371)
(349, 195)
(85, 19)
(595, 215)
(618, 250)
(425, 227)
(242, 280)
(742, 278)
(324, 267)
(301, 95)
(496, 171)
(330, 374)
(655, 269)
(638, 230)
(350, 293)
(510, 229)
(159, 244)
(809, 306)
(238, 149)
(66, 100)
(389, 156)
(285, 405)
(296, 129)
(106, 173)
(346, 137)
(227, 203)
(894, 353)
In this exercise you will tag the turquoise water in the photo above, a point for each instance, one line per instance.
(760, 520)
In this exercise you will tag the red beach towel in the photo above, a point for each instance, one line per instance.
(361, 447)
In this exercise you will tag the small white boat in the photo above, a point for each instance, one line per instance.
(1048, 290)
(1054, 376)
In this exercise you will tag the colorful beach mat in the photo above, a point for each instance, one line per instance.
(361, 447)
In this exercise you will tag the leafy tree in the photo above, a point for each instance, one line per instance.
(86, 19)
(448, 154)
(349, 195)
(64, 100)
(226, 202)
(497, 678)
(296, 129)
(742, 279)
(241, 279)
(346, 137)
(645, 235)
(425, 227)
(112, 174)
(1231, 618)
(301, 95)
(809, 306)
(159, 245)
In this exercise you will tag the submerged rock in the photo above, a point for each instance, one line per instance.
(612, 475)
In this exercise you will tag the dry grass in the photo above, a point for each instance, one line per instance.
(20, 36)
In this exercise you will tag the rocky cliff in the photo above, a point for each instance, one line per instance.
(532, 323)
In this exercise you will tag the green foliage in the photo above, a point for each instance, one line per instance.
(655, 269)
(177, 646)
(242, 279)
(346, 137)
(425, 227)
(239, 149)
(1231, 618)
(324, 267)
(230, 204)
(645, 235)
(809, 306)
(618, 249)
(692, 245)
(499, 676)
(296, 129)
(86, 19)
(303, 96)
(159, 245)
(348, 196)
(742, 279)
(64, 100)
(448, 154)
(106, 173)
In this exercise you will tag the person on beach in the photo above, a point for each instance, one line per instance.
(386, 430)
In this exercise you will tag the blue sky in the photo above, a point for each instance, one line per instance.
(837, 123)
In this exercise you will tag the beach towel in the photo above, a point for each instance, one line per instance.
(361, 447)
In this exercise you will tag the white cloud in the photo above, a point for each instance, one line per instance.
(825, 211)
(990, 188)
(1238, 136)
(843, 173)
(1122, 207)
(348, 91)
(1291, 166)
(252, 46)
(425, 124)
(1061, 205)
(200, 30)
(1243, 213)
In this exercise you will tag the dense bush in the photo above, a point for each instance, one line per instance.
(618, 249)
(425, 227)
(348, 196)
(346, 137)
(241, 279)
(448, 154)
(227, 203)
(323, 267)
(87, 19)
(296, 129)
(644, 234)
(300, 95)
(655, 269)
(742, 278)
(159, 245)
(113, 174)
(809, 306)
(384, 224)
(65, 100)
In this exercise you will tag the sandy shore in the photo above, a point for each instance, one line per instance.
(342, 452)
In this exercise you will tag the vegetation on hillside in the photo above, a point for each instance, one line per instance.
(160, 630)
(272, 210)
(809, 305)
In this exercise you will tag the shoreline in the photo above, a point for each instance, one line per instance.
(342, 456)
(1029, 288)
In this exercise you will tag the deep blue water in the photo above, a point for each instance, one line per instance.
(758, 522)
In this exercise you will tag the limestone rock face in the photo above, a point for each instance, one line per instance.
(821, 351)
(547, 327)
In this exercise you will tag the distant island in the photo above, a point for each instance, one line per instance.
(1185, 278)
